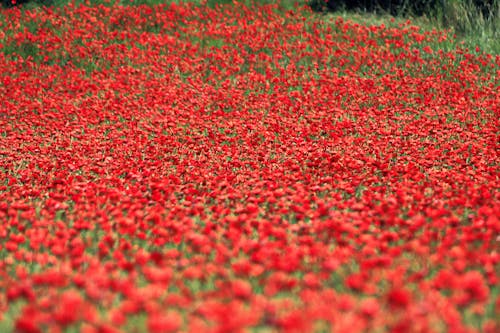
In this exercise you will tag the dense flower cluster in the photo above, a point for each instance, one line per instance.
(197, 169)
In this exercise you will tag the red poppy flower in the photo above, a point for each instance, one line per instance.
(399, 297)
(164, 322)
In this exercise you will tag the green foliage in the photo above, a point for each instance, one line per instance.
(465, 16)
(475, 25)
(475, 22)
(394, 7)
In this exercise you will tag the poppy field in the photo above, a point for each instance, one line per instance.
(241, 168)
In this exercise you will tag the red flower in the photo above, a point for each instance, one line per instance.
(26, 325)
(164, 322)
(445, 279)
(28, 321)
(474, 284)
(399, 298)
(295, 321)
(369, 307)
(355, 281)
(310, 280)
(69, 308)
(241, 288)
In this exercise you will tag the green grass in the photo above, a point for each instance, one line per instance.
(471, 26)
(464, 32)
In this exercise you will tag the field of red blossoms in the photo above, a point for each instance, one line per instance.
(230, 169)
